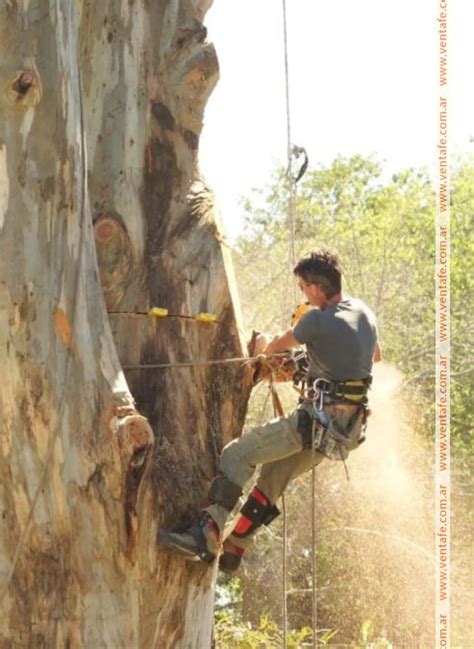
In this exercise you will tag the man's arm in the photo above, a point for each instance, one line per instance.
(281, 343)
(377, 353)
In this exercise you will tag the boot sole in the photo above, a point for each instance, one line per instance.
(169, 540)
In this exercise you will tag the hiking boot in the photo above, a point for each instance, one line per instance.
(201, 542)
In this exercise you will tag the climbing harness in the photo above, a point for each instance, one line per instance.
(336, 420)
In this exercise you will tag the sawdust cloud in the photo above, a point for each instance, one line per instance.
(374, 536)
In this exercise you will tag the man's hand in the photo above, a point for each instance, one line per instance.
(281, 343)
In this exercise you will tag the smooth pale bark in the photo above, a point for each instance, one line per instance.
(85, 479)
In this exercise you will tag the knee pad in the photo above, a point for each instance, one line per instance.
(256, 511)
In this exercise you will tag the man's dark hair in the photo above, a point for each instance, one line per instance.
(321, 267)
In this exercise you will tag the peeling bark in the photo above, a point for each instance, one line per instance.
(92, 462)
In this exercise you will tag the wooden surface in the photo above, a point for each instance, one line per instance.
(100, 115)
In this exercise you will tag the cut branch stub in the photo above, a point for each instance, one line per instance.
(25, 81)
(24, 90)
(135, 439)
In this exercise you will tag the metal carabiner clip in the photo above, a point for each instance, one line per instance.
(319, 392)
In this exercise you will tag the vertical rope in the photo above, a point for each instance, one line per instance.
(292, 219)
(314, 610)
(290, 265)
(291, 181)
(313, 558)
(272, 391)
(287, 85)
(289, 171)
(285, 570)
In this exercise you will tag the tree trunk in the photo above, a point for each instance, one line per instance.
(93, 461)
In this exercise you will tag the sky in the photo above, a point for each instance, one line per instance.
(363, 80)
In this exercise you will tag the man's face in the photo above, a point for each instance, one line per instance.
(312, 293)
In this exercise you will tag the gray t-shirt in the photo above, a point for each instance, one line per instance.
(340, 340)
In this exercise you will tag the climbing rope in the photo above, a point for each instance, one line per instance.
(285, 572)
(290, 265)
(244, 360)
(294, 153)
(278, 412)
(289, 178)
(161, 313)
(314, 607)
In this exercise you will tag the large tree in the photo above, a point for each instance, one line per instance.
(100, 117)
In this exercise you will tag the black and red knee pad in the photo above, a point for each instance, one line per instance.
(256, 511)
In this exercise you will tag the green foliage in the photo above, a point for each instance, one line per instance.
(234, 634)
(462, 307)
(367, 639)
(384, 230)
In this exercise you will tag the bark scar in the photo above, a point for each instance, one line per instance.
(25, 90)
(63, 327)
(136, 439)
(24, 82)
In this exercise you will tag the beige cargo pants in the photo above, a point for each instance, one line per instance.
(278, 447)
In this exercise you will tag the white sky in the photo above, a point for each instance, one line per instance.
(363, 79)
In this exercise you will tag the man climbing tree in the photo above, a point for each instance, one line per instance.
(340, 335)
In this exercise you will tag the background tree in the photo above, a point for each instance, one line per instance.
(375, 534)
